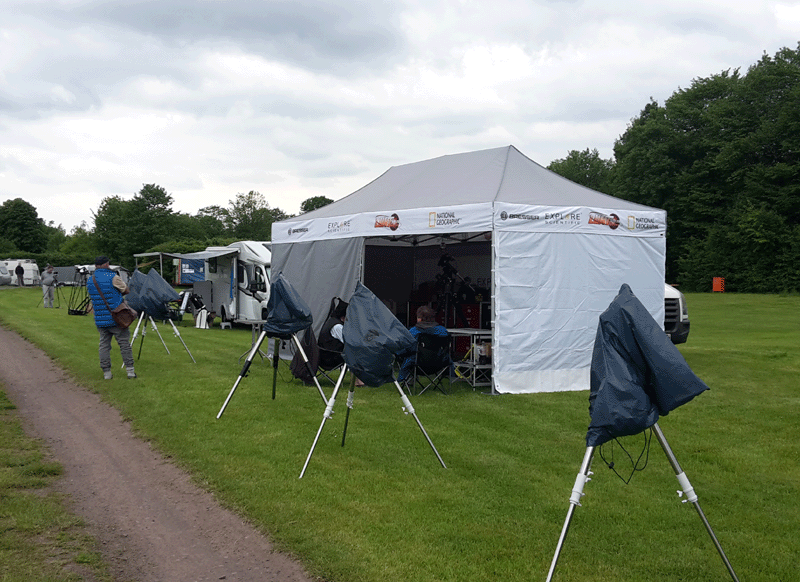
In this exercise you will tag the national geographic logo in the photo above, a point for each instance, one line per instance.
(642, 223)
(443, 219)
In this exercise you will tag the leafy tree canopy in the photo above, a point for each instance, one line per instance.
(586, 168)
(21, 225)
(313, 203)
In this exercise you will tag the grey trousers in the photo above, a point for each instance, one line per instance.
(47, 295)
(123, 339)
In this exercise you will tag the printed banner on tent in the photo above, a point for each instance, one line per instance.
(617, 222)
(431, 220)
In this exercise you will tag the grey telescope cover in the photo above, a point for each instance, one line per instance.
(288, 313)
(637, 373)
(372, 337)
(150, 293)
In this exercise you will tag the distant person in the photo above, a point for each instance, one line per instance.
(113, 288)
(20, 272)
(48, 286)
(426, 323)
(331, 339)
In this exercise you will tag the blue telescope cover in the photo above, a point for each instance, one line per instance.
(637, 373)
(372, 337)
(150, 293)
(288, 313)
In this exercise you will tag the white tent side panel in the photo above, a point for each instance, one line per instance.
(550, 289)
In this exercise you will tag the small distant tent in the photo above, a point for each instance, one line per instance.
(554, 254)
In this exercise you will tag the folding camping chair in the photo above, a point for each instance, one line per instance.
(330, 360)
(432, 363)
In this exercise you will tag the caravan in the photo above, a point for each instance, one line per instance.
(236, 285)
(31, 276)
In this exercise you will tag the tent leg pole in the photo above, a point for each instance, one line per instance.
(325, 416)
(243, 373)
(574, 501)
(349, 406)
(691, 496)
(275, 358)
(308, 366)
(408, 408)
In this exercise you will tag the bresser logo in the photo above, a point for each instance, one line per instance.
(390, 222)
(506, 216)
(296, 230)
(640, 223)
(442, 219)
(339, 226)
(611, 221)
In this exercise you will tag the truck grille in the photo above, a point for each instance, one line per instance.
(671, 314)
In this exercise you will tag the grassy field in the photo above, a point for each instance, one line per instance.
(382, 508)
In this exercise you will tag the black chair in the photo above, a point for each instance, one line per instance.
(330, 361)
(433, 362)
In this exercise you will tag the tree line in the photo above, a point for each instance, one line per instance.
(144, 223)
(722, 157)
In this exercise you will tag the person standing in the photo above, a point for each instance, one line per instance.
(48, 286)
(112, 287)
(20, 272)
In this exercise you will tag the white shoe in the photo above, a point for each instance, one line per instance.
(107, 375)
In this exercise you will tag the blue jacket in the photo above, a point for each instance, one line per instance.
(102, 316)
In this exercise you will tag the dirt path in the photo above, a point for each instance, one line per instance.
(153, 523)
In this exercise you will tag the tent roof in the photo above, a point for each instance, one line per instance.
(500, 174)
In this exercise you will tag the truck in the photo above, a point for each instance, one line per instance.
(676, 315)
(236, 284)
(31, 276)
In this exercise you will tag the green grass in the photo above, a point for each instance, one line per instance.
(39, 539)
(382, 508)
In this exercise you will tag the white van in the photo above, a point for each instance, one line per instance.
(31, 276)
(676, 315)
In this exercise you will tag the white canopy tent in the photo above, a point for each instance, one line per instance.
(555, 253)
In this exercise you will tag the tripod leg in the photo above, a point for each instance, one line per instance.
(349, 406)
(243, 373)
(328, 413)
(141, 342)
(691, 496)
(574, 500)
(308, 366)
(276, 353)
(409, 409)
(177, 333)
(158, 333)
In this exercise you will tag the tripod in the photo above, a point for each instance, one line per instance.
(407, 408)
(79, 301)
(141, 324)
(686, 489)
(447, 279)
(275, 358)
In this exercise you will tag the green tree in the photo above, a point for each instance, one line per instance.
(21, 225)
(314, 202)
(81, 244)
(123, 228)
(249, 217)
(722, 157)
(586, 168)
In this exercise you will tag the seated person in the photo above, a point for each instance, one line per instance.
(426, 323)
(331, 340)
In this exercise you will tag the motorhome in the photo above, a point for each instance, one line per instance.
(31, 276)
(236, 285)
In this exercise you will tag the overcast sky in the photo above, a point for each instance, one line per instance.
(296, 99)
